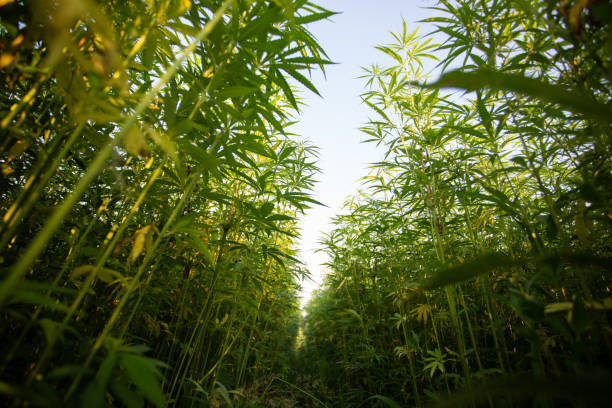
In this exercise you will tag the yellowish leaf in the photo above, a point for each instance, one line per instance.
(184, 5)
(135, 142)
(19, 147)
(224, 319)
(421, 312)
(209, 72)
(6, 170)
(558, 307)
(139, 242)
(6, 59)
(149, 163)
(164, 142)
(104, 274)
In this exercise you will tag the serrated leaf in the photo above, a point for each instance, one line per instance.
(300, 78)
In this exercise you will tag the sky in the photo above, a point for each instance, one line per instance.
(331, 122)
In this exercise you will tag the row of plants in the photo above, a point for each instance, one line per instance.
(149, 195)
(476, 261)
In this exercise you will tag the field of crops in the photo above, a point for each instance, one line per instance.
(151, 188)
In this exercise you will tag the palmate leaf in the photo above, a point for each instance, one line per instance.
(252, 145)
(484, 78)
(299, 77)
(299, 198)
(280, 80)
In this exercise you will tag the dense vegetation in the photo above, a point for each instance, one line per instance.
(477, 260)
(149, 195)
(151, 189)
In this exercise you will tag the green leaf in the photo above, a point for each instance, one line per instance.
(282, 83)
(280, 217)
(307, 60)
(50, 328)
(202, 157)
(222, 390)
(127, 397)
(194, 239)
(484, 78)
(23, 295)
(314, 17)
(237, 91)
(300, 78)
(148, 53)
(254, 146)
(391, 53)
(468, 270)
(184, 29)
(106, 368)
(355, 314)
(265, 209)
(67, 371)
(144, 374)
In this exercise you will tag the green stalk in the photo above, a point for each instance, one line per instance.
(247, 349)
(176, 330)
(470, 331)
(133, 282)
(226, 348)
(202, 320)
(28, 98)
(452, 305)
(437, 338)
(415, 389)
(468, 220)
(93, 275)
(27, 198)
(74, 251)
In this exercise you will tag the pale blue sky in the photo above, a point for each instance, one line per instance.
(332, 122)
